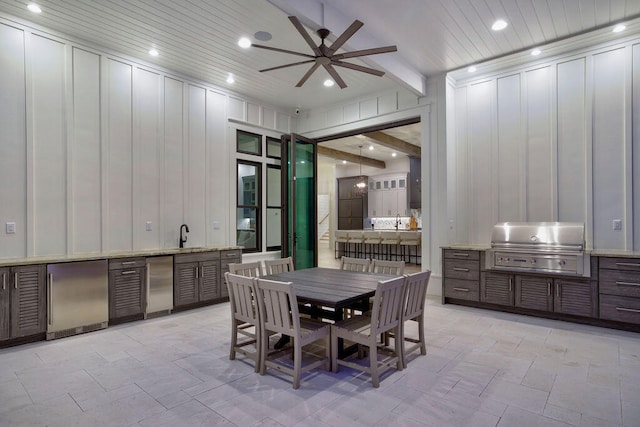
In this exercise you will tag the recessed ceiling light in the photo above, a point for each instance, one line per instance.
(244, 43)
(619, 28)
(230, 79)
(34, 8)
(328, 83)
(371, 147)
(154, 52)
(344, 162)
(393, 154)
(500, 24)
(536, 52)
(472, 69)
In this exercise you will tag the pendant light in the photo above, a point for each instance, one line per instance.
(360, 186)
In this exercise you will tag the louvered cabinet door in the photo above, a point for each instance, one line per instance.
(574, 297)
(5, 303)
(185, 283)
(496, 288)
(28, 300)
(534, 292)
(209, 280)
(126, 292)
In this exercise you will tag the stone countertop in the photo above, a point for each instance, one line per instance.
(467, 247)
(52, 259)
(620, 253)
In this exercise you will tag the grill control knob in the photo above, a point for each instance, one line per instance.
(533, 260)
(562, 262)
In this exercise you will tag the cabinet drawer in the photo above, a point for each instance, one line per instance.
(123, 263)
(632, 264)
(196, 257)
(231, 256)
(462, 289)
(617, 282)
(621, 309)
(452, 253)
(461, 269)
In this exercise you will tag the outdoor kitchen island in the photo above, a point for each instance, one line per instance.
(610, 297)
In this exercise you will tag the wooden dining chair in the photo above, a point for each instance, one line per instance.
(365, 329)
(248, 269)
(245, 319)
(413, 309)
(276, 266)
(354, 264)
(387, 267)
(279, 314)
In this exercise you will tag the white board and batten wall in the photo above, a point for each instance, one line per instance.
(555, 140)
(101, 153)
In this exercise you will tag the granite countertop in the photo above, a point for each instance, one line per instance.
(620, 253)
(467, 247)
(50, 259)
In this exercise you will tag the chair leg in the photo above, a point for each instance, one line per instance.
(264, 344)
(399, 342)
(423, 344)
(334, 352)
(234, 339)
(373, 365)
(297, 363)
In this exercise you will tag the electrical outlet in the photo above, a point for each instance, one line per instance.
(10, 228)
(216, 225)
(148, 226)
(617, 224)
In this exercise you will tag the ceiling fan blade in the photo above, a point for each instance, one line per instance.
(287, 65)
(291, 52)
(305, 35)
(365, 52)
(334, 74)
(345, 36)
(358, 68)
(308, 74)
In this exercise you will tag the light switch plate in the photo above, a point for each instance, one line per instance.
(148, 226)
(11, 228)
(216, 225)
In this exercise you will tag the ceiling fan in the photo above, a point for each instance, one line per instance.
(326, 55)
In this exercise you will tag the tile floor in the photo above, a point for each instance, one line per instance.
(482, 368)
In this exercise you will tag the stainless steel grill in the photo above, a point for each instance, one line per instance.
(545, 247)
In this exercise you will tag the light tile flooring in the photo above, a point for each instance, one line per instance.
(482, 368)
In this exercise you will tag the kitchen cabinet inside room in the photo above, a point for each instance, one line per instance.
(352, 205)
(388, 195)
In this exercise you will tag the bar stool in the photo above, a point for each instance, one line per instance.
(407, 240)
(341, 237)
(389, 244)
(357, 238)
(372, 242)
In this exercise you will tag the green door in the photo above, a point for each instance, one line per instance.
(300, 225)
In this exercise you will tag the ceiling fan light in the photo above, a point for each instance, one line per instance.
(328, 83)
(244, 43)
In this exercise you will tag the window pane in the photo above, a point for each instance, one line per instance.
(247, 185)
(274, 189)
(274, 227)
(246, 229)
(273, 148)
(249, 142)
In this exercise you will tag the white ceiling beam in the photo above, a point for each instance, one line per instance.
(315, 15)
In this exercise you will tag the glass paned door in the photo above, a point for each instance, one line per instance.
(299, 154)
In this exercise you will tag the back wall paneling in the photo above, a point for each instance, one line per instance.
(13, 142)
(173, 161)
(49, 133)
(197, 167)
(219, 172)
(636, 147)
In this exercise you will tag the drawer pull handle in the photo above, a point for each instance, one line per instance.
(460, 254)
(128, 272)
(4, 281)
(466, 270)
(15, 281)
(510, 285)
(627, 284)
(128, 262)
(627, 264)
(631, 310)
(461, 289)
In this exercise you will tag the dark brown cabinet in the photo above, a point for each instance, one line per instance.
(620, 289)
(196, 278)
(461, 274)
(23, 305)
(352, 205)
(226, 258)
(497, 288)
(127, 281)
(534, 292)
(575, 296)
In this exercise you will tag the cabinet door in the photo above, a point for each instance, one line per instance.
(389, 203)
(534, 293)
(126, 292)
(185, 283)
(5, 304)
(496, 288)
(574, 297)
(357, 210)
(344, 208)
(345, 187)
(28, 300)
(374, 203)
(403, 205)
(209, 285)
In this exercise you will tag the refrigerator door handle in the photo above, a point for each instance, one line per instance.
(50, 297)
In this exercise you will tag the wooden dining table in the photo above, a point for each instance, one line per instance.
(319, 287)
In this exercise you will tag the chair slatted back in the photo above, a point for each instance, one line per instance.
(387, 304)
(354, 264)
(248, 269)
(278, 307)
(242, 298)
(416, 291)
(387, 267)
(276, 266)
